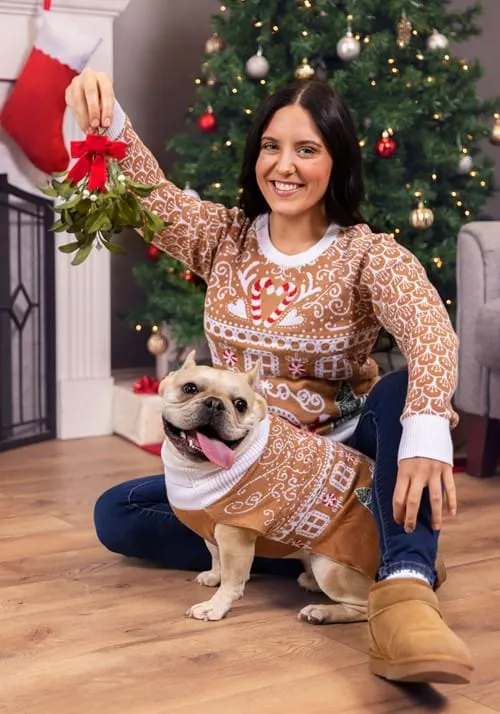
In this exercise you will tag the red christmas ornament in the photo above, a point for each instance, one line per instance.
(188, 276)
(385, 146)
(152, 252)
(207, 122)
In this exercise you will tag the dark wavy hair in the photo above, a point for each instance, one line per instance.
(329, 112)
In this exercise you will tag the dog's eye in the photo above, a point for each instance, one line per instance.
(240, 405)
(190, 388)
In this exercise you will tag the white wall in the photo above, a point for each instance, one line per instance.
(159, 45)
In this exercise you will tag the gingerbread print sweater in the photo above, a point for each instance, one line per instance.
(313, 318)
(296, 490)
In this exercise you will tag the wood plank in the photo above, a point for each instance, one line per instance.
(84, 629)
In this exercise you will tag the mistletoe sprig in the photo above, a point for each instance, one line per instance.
(97, 201)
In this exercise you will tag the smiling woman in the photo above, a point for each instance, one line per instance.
(296, 280)
(293, 171)
(303, 165)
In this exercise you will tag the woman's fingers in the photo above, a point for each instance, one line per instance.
(107, 97)
(91, 98)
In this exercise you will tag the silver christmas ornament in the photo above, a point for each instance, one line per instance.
(190, 191)
(465, 164)
(436, 41)
(348, 47)
(257, 66)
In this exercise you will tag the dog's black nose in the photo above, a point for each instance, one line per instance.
(214, 404)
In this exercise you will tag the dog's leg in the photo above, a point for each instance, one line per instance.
(211, 578)
(236, 553)
(306, 579)
(348, 588)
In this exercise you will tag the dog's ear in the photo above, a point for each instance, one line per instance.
(189, 361)
(162, 386)
(254, 375)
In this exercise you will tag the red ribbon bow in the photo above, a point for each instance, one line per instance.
(92, 154)
(146, 385)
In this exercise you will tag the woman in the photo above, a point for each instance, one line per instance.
(295, 277)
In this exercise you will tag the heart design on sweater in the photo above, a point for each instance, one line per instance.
(286, 291)
(238, 309)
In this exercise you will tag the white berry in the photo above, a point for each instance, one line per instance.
(122, 178)
(93, 197)
(86, 193)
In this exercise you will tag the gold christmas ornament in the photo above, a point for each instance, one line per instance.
(421, 217)
(157, 344)
(214, 44)
(304, 70)
(403, 31)
(495, 131)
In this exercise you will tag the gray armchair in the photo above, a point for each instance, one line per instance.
(478, 328)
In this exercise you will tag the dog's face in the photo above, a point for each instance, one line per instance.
(208, 413)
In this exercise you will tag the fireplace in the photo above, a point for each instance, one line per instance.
(82, 405)
(27, 318)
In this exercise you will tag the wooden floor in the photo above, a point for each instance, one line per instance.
(84, 631)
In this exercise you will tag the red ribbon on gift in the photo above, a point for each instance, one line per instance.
(92, 154)
(146, 385)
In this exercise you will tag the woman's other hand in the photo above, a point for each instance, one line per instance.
(413, 476)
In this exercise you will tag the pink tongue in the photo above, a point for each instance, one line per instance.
(216, 451)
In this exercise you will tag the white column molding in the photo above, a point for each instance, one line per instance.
(83, 295)
(111, 8)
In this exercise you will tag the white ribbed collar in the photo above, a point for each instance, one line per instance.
(291, 261)
(192, 489)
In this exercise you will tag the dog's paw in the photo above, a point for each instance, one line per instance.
(308, 582)
(207, 611)
(315, 614)
(209, 578)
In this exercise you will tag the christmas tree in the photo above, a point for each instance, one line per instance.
(415, 104)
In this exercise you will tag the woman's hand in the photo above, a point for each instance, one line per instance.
(91, 98)
(413, 476)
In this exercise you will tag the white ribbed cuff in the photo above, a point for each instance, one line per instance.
(118, 123)
(427, 436)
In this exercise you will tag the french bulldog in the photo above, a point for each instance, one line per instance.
(215, 422)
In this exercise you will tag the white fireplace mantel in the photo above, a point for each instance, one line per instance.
(110, 8)
(83, 295)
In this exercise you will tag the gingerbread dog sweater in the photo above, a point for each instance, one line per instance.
(295, 489)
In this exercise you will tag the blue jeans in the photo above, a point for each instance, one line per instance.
(135, 519)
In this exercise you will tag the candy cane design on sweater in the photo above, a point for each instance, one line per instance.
(288, 290)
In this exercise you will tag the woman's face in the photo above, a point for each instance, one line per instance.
(294, 166)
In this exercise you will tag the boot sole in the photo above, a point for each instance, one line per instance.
(439, 671)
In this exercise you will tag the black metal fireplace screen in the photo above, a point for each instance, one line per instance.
(27, 319)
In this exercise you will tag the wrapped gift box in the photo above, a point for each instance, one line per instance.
(137, 417)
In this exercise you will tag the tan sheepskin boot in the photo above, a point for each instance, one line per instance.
(410, 642)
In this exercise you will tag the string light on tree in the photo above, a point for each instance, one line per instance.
(348, 47)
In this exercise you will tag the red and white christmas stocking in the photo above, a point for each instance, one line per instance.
(34, 111)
